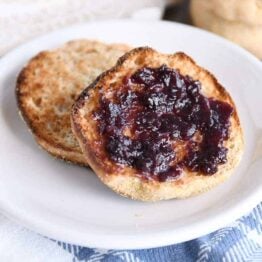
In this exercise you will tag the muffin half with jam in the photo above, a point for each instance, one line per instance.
(158, 126)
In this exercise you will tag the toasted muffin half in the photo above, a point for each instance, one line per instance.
(106, 143)
(49, 84)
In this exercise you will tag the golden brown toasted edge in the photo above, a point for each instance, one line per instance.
(191, 183)
(58, 150)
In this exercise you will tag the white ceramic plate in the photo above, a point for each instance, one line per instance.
(69, 203)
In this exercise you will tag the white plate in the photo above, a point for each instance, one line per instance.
(69, 203)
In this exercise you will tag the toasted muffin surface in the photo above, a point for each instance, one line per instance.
(124, 179)
(49, 84)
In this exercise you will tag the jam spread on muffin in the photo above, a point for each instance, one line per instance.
(159, 123)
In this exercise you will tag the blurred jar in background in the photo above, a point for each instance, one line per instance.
(238, 20)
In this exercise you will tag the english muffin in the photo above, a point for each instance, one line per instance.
(239, 21)
(158, 126)
(49, 84)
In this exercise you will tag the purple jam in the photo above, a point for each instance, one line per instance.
(160, 123)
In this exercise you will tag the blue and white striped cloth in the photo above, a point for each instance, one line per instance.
(240, 241)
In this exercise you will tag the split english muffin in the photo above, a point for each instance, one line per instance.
(158, 126)
(49, 84)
